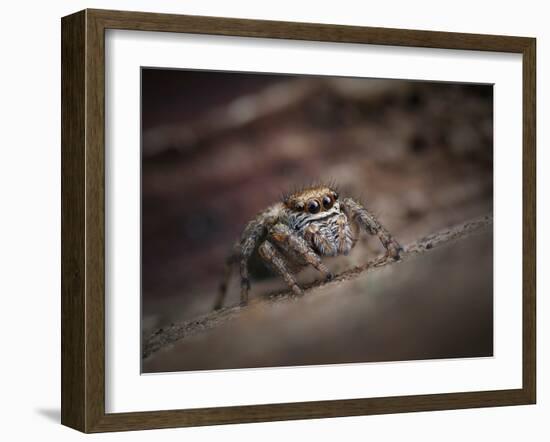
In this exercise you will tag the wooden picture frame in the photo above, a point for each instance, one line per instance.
(83, 220)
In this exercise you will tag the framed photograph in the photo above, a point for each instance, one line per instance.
(269, 220)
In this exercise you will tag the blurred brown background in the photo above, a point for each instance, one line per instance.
(218, 147)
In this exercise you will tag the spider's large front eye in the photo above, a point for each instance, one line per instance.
(327, 202)
(313, 206)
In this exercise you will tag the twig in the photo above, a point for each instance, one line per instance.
(175, 332)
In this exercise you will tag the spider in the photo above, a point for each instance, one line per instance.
(297, 231)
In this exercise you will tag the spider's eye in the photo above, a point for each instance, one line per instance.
(299, 207)
(327, 202)
(313, 206)
(334, 195)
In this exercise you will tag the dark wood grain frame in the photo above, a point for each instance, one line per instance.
(83, 220)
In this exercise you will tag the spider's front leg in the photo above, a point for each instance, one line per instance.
(286, 239)
(368, 221)
(252, 234)
(254, 231)
(273, 257)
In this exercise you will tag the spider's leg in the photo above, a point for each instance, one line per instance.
(230, 263)
(368, 221)
(245, 281)
(285, 238)
(273, 257)
(253, 233)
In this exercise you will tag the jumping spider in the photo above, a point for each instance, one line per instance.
(306, 225)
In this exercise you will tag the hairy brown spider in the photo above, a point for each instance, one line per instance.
(296, 232)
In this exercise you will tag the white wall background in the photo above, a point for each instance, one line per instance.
(30, 222)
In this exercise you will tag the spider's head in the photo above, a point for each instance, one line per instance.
(312, 200)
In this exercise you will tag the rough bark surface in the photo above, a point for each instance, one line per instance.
(169, 335)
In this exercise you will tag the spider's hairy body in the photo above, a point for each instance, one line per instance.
(308, 224)
(334, 235)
